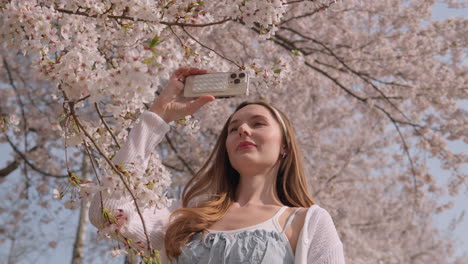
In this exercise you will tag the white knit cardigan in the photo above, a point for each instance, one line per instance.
(318, 242)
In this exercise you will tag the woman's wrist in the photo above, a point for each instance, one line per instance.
(160, 112)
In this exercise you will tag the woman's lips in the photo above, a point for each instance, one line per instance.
(245, 145)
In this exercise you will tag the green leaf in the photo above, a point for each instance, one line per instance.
(73, 179)
(108, 217)
(62, 116)
(181, 121)
(277, 71)
(155, 258)
(150, 185)
(154, 42)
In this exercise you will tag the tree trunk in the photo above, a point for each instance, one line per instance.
(11, 256)
(78, 246)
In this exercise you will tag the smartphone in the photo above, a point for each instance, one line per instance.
(220, 84)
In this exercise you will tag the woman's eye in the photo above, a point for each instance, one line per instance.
(258, 124)
(233, 129)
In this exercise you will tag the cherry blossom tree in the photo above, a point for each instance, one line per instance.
(374, 89)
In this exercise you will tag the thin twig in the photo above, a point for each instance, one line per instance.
(25, 121)
(9, 168)
(306, 14)
(83, 98)
(393, 120)
(15, 149)
(169, 166)
(177, 36)
(95, 172)
(133, 19)
(105, 124)
(206, 47)
(112, 165)
(121, 178)
(348, 91)
(361, 76)
(73, 114)
(405, 148)
(184, 162)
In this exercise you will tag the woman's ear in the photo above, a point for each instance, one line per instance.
(284, 151)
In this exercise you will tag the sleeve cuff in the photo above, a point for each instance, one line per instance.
(155, 122)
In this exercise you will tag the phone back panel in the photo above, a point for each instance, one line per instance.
(221, 84)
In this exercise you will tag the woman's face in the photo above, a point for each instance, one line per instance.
(254, 140)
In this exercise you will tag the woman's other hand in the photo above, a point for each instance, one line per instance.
(171, 104)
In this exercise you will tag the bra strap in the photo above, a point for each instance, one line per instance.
(291, 217)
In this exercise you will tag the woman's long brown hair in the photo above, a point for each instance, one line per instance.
(209, 193)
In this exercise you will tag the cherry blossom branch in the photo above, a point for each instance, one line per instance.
(105, 124)
(184, 162)
(82, 99)
(108, 60)
(414, 125)
(172, 167)
(333, 54)
(20, 154)
(345, 165)
(23, 115)
(177, 36)
(383, 96)
(306, 14)
(206, 47)
(289, 46)
(293, 2)
(65, 130)
(145, 230)
(394, 121)
(91, 159)
(348, 91)
(112, 165)
(9, 168)
(133, 19)
(359, 75)
(300, 1)
(405, 148)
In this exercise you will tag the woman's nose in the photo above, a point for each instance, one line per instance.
(243, 129)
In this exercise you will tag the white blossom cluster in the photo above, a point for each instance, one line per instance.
(267, 14)
(148, 184)
(83, 49)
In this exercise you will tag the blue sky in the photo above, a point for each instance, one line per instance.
(461, 201)
(63, 252)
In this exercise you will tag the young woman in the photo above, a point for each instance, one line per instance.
(247, 204)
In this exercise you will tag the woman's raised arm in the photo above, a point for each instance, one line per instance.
(116, 214)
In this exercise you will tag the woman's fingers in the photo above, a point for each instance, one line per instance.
(184, 72)
(196, 104)
(171, 103)
(195, 71)
(178, 77)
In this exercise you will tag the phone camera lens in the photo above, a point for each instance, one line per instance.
(233, 75)
(241, 75)
(236, 81)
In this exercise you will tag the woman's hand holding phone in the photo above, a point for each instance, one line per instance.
(171, 104)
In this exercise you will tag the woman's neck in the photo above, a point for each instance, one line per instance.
(257, 189)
